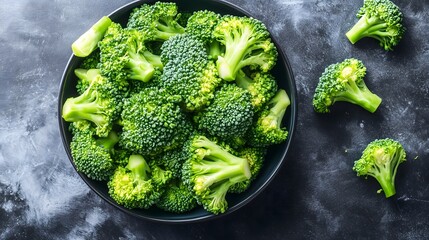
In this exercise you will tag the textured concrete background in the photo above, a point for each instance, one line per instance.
(315, 195)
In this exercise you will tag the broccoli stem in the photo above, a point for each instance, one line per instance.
(366, 27)
(109, 141)
(243, 80)
(138, 165)
(140, 68)
(280, 102)
(360, 95)
(83, 107)
(88, 41)
(153, 59)
(386, 181)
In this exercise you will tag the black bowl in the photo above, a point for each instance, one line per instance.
(276, 154)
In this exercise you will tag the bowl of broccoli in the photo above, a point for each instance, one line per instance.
(177, 112)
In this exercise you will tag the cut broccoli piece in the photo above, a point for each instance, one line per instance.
(381, 20)
(177, 198)
(88, 41)
(344, 81)
(247, 43)
(380, 160)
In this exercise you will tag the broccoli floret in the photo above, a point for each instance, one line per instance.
(267, 129)
(88, 41)
(261, 86)
(91, 155)
(229, 115)
(92, 61)
(344, 82)
(247, 43)
(153, 122)
(177, 198)
(255, 157)
(138, 185)
(99, 103)
(378, 19)
(187, 71)
(124, 55)
(210, 171)
(202, 24)
(173, 160)
(158, 21)
(380, 160)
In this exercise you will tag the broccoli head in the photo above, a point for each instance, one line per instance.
(210, 171)
(380, 160)
(344, 81)
(378, 19)
(153, 122)
(138, 185)
(229, 115)
(247, 42)
(92, 155)
(177, 198)
(158, 21)
(267, 128)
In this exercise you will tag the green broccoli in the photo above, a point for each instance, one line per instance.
(99, 103)
(124, 55)
(267, 128)
(210, 171)
(138, 185)
(177, 198)
(378, 19)
(230, 114)
(380, 160)
(173, 160)
(261, 86)
(202, 24)
(88, 41)
(91, 155)
(255, 157)
(247, 42)
(344, 82)
(187, 71)
(158, 21)
(153, 122)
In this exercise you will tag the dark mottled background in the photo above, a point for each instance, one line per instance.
(315, 195)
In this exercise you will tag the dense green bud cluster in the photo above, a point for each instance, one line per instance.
(177, 198)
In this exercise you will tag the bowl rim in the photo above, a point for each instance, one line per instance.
(293, 111)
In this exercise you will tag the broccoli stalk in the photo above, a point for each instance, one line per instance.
(378, 19)
(88, 41)
(210, 171)
(380, 160)
(261, 86)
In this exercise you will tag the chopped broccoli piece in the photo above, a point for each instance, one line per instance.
(230, 115)
(247, 42)
(344, 81)
(381, 20)
(380, 160)
(210, 171)
(158, 21)
(177, 198)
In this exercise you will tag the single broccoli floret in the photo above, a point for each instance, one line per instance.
(91, 155)
(187, 71)
(210, 171)
(153, 122)
(124, 55)
(247, 43)
(230, 115)
(173, 160)
(177, 198)
(267, 128)
(99, 103)
(138, 184)
(381, 20)
(202, 24)
(92, 61)
(261, 86)
(380, 160)
(88, 41)
(158, 21)
(255, 157)
(344, 82)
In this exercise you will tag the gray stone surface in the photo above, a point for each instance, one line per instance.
(314, 196)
